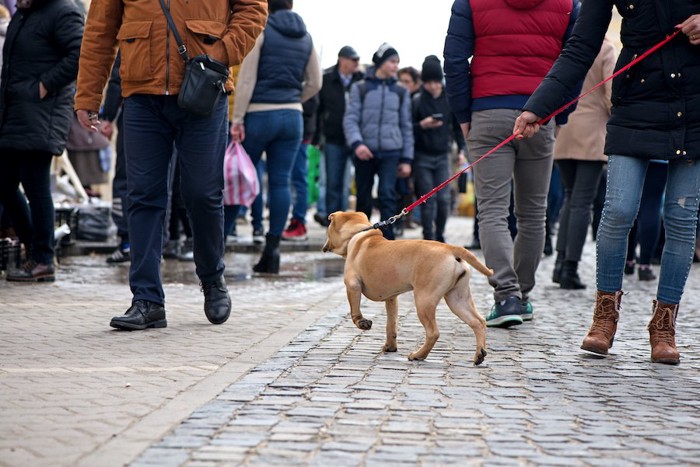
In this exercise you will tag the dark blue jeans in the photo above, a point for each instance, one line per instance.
(429, 170)
(34, 226)
(300, 184)
(383, 165)
(119, 197)
(151, 125)
(278, 133)
(336, 158)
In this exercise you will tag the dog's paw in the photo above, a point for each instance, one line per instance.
(365, 324)
(415, 357)
(479, 357)
(389, 348)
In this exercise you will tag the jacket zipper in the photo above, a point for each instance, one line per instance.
(381, 115)
(167, 56)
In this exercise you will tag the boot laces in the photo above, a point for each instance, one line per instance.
(605, 315)
(28, 265)
(663, 325)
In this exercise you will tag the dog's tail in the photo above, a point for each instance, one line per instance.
(473, 261)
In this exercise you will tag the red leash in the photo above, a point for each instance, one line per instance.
(425, 197)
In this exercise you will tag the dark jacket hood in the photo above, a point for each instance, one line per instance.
(287, 23)
(523, 4)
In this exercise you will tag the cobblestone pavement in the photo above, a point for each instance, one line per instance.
(289, 380)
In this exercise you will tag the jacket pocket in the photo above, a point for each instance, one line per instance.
(135, 45)
(204, 37)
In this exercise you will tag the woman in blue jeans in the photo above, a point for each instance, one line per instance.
(655, 115)
(276, 77)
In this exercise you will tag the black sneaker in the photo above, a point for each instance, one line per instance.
(505, 314)
(121, 255)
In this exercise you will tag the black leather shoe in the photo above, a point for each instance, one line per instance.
(217, 302)
(141, 315)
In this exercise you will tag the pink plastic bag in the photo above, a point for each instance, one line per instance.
(241, 184)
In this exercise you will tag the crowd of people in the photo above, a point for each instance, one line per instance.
(385, 133)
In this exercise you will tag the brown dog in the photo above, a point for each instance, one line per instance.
(381, 270)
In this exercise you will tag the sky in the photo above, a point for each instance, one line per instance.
(416, 28)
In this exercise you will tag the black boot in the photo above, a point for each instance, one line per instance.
(569, 277)
(270, 260)
(558, 266)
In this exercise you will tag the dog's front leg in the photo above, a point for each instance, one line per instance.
(392, 314)
(353, 287)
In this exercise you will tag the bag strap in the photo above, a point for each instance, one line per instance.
(181, 48)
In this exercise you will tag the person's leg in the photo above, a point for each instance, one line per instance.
(533, 159)
(441, 172)
(148, 143)
(423, 179)
(582, 195)
(321, 215)
(386, 193)
(567, 175)
(347, 180)
(256, 210)
(492, 177)
(364, 181)
(14, 203)
(119, 199)
(680, 219)
(201, 144)
(335, 158)
(649, 217)
(680, 222)
(280, 153)
(300, 184)
(625, 177)
(623, 193)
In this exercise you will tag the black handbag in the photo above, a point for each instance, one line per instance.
(204, 81)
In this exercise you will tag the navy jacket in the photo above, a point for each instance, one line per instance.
(656, 104)
(285, 53)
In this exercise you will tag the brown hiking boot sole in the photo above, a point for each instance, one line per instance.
(594, 350)
(46, 278)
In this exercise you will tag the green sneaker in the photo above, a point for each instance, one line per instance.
(526, 310)
(505, 314)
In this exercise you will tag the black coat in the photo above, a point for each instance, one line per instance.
(656, 104)
(42, 44)
(331, 107)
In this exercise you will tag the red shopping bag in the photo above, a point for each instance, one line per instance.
(241, 184)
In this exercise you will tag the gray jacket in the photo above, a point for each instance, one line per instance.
(379, 116)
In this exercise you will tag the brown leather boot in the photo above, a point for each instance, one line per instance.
(605, 316)
(662, 334)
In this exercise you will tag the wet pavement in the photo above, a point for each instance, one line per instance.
(289, 380)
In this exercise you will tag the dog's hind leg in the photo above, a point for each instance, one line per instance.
(392, 315)
(353, 289)
(425, 307)
(461, 302)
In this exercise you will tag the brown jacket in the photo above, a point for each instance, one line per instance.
(226, 30)
(583, 137)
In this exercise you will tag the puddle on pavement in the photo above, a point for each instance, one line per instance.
(305, 267)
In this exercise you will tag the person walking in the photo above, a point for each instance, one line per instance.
(151, 75)
(578, 153)
(40, 64)
(512, 44)
(379, 129)
(434, 130)
(335, 91)
(280, 73)
(655, 115)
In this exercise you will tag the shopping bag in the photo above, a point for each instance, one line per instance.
(241, 184)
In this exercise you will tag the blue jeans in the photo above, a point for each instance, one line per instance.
(623, 194)
(278, 133)
(151, 125)
(300, 184)
(384, 165)
(337, 190)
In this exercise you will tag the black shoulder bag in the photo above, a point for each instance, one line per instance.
(204, 80)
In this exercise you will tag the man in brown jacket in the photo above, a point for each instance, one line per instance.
(151, 74)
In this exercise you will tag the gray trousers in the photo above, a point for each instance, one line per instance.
(529, 163)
